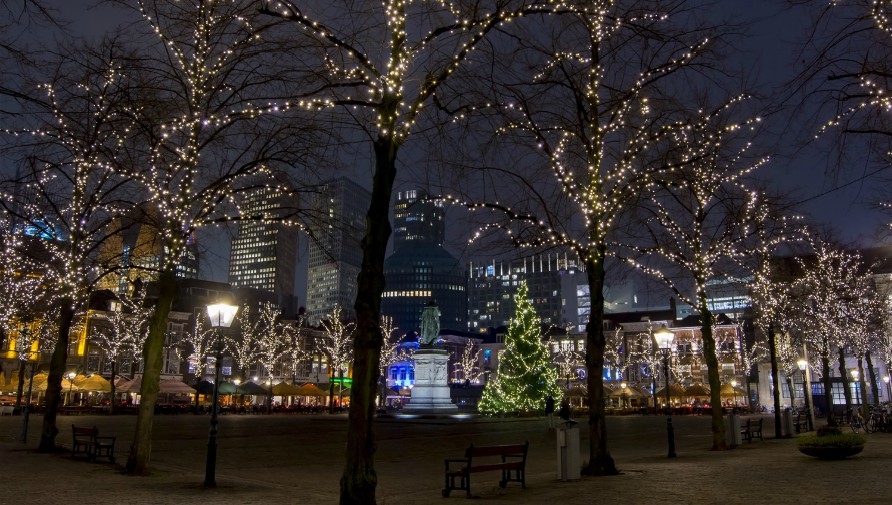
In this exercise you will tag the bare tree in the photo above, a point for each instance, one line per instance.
(845, 82)
(389, 353)
(468, 365)
(272, 343)
(700, 220)
(337, 345)
(126, 332)
(830, 287)
(385, 63)
(210, 110)
(67, 193)
(594, 110)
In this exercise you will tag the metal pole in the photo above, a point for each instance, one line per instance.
(210, 466)
(26, 409)
(670, 430)
(808, 397)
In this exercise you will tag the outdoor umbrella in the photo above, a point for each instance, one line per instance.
(697, 391)
(95, 383)
(285, 389)
(628, 392)
(730, 391)
(675, 391)
(249, 388)
(207, 388)
(311, 390)
(164, 386)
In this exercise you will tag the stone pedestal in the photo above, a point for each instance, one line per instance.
(430, 395)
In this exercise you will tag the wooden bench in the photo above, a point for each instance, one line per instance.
(88, 442)
(7, 410)
(800, 422)
(512, 463)
(752, 429)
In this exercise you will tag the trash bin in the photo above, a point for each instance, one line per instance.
(732, 433)
(787, 422)
(568, 451)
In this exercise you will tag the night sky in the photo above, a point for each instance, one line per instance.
(767, 51)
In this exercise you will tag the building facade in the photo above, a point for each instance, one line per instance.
(420, 269)
(263, 255)
(335, 255)
(552, 280)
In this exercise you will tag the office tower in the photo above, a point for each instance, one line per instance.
(550, 278)
(263, 255)
(136, 251)
(420, 269)
(335, 255)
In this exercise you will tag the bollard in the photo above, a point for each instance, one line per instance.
(568, 451)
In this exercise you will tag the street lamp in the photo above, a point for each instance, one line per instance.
(221, 316)
(622, 390)
(734, 393)
(665, 338)
(888, 386)
(71, 376)
(803, 367)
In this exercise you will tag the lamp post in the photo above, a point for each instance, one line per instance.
(856, 376)
(803, 366)
(622, 390)
(734, 393)
(71, 376)
(221, 316)
(664, 338)
(888, 386)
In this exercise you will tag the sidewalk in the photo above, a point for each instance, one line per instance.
(253, 470)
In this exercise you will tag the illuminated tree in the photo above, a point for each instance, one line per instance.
(567, 360)
(384, 64)
(211, 120)
(845, 82)
(272, 343)
(699, 220)
(525, 376)
(244, 345)
(829, 287)
(597, 104)
(67, 193)
(468, 364)
(126, 330)
(389, 352)
(337, 345)
(296, 349)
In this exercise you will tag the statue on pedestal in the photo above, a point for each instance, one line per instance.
(430, 324)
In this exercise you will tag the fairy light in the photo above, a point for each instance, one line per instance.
(337, 341)
(125, 330)
(525, 375)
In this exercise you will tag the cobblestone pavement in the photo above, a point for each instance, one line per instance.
(298, 459)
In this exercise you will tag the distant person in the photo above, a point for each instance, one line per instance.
(549, 411)
(564, 413)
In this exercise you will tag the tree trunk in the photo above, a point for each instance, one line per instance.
(789, 380)
(600, 462)
(54, 381)
(874, 387)
(111, 405)
(865, 405)
(359, 479)
(715, 383)
(845, 379)
(775, 378)
(828, 388)
(20, 388)
(153, 357)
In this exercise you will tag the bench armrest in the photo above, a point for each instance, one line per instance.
(447, 461)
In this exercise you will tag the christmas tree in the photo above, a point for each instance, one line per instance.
(525, 375)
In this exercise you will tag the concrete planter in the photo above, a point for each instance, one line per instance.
(830, 452)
